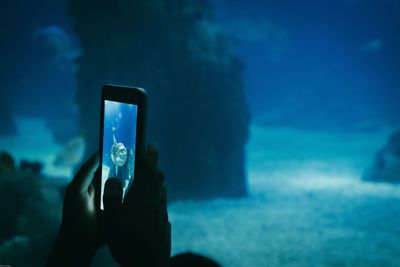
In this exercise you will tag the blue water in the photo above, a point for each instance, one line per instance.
(321, 81)
(34, 141)
(119, 121)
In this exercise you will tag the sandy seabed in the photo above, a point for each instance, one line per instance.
(307, 206)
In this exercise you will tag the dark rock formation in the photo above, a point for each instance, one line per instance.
(7, 164)
(31, 166)
(387, 162)
(196, 114)
(31, 215)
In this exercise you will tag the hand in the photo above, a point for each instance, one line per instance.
(138, 232)
(80, 234)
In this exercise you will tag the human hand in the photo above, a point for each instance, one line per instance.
(138, 232)
(80, 234)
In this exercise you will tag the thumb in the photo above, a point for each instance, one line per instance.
(112, 200)
(85, 175)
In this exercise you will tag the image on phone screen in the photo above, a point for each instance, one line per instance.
(119, 139)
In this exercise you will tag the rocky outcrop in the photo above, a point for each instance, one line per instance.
(386, 166)
(31, 211)
(196, 114)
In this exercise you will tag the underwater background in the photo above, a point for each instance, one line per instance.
(119, 122)
(309, 96)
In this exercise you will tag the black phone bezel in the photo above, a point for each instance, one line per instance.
(129, 95)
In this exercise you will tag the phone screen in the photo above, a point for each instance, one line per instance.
(119, 141)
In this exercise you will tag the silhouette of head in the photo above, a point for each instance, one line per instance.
(192, 260)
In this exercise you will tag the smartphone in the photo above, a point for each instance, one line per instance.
(122, 134)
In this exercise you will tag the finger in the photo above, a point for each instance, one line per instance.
(157, 183)
(148, 189)
(151, 156)
(112, 200)
(95, 182)
(85, 174)
(145, 172)
(163, 202)
(168, 239)
(112, 195)
(152, 188)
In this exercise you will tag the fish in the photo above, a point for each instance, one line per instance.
(71, 154)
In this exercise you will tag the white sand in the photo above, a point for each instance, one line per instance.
(307, 206)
